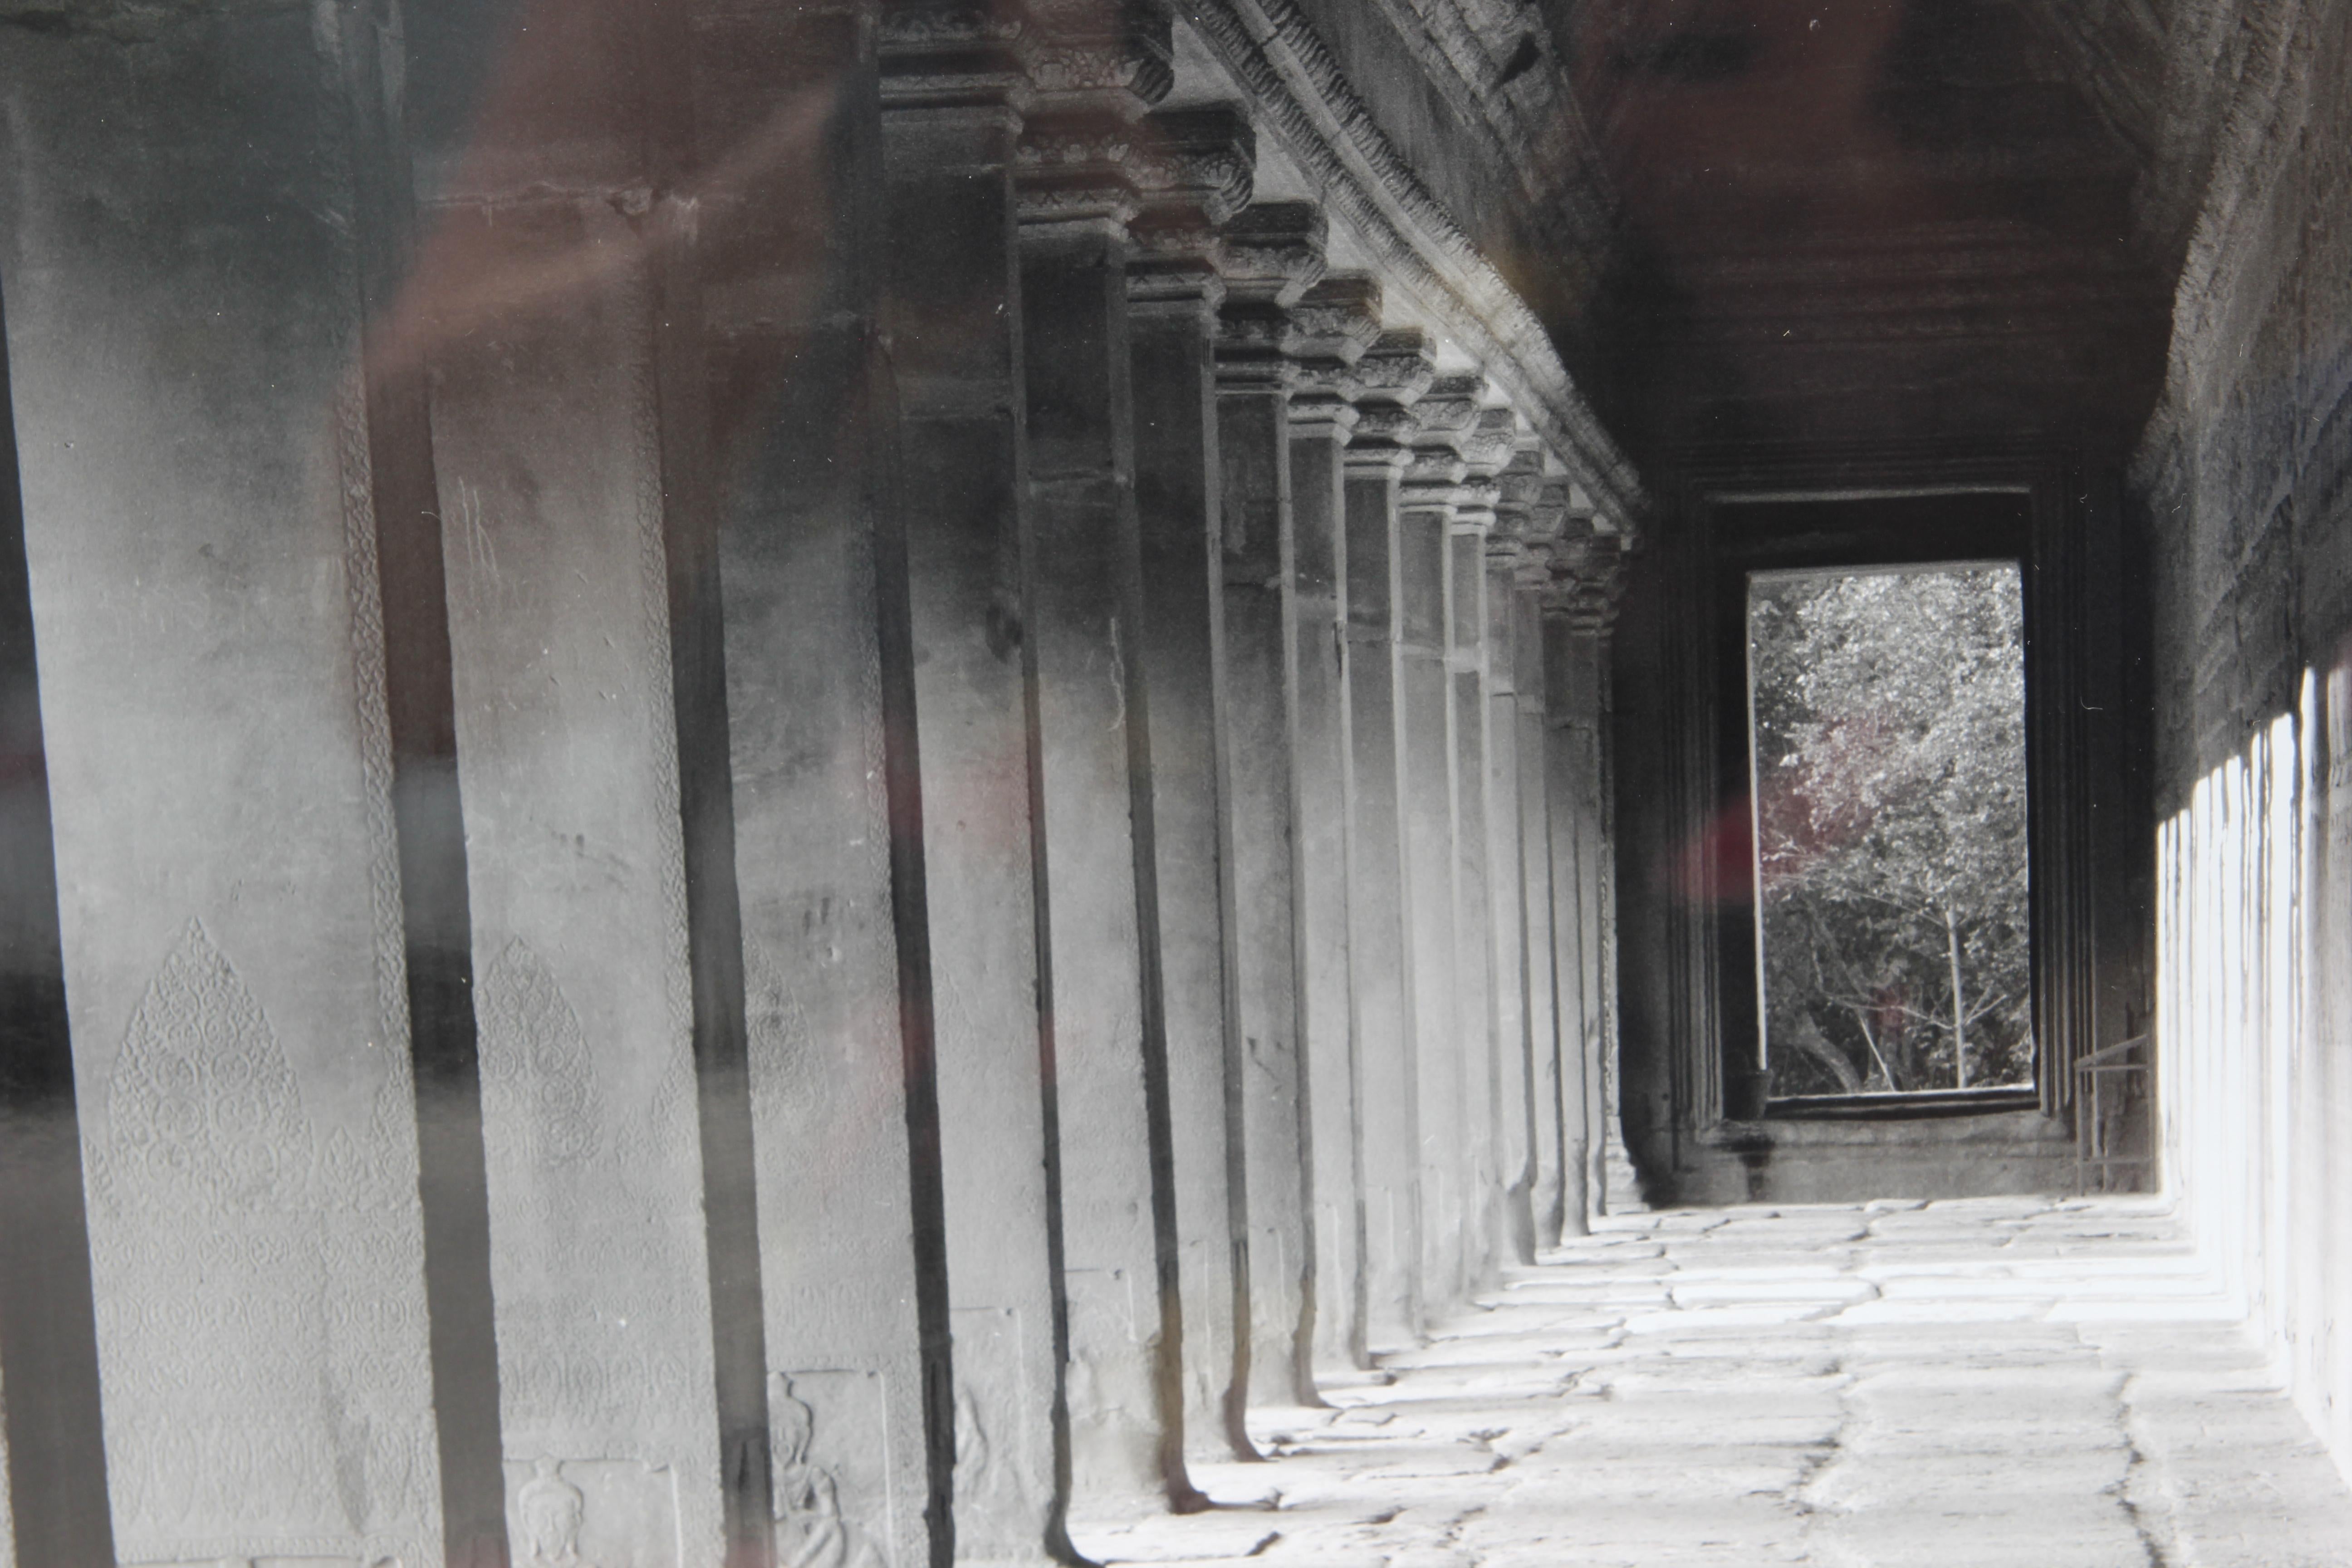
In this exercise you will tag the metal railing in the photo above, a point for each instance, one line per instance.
(2110, 1085)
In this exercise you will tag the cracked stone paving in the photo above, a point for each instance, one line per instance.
(2030, 1383)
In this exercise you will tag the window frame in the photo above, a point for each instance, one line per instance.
(1859, 533)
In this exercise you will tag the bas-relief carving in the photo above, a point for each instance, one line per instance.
(598, 1305)
(259, 1290)
(829, 1445)
(538, 1082)
(592, 1513)
(995, 1497)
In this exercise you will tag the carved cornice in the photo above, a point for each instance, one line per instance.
(1305, 101)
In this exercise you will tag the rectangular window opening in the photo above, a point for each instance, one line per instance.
(1886, 739)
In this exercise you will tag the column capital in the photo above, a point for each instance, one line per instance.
(1333, 325)
(1120, 50)
(1268, 256)
(1390, 378)
(951, 54)
(1488, 446)
(1444, 414)
(1194, 169)
(1586, 572)
(1071, 169)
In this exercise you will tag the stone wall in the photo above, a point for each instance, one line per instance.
(2243, 478)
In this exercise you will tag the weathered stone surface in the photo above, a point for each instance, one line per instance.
(547, 448)
(1511, 1438)
(1179, 492)
(201, 538)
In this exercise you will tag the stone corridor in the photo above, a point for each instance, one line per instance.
(2016, 1382)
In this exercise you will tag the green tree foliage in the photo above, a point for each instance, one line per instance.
(1889, 725)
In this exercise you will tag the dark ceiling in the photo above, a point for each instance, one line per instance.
(1866, 221)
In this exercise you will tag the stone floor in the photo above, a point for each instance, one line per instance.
(2011, 1384)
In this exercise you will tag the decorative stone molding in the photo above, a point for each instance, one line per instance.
(1305, 102)
(1333, 325)
(1434, 477)
(1391, 377)
(1269, 255)
(1491, 443)
(951, 54)
(1072, 168)
(1107, 46)
(1196, 169)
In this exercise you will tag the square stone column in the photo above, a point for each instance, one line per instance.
(826, 802)
(548, 440)
(1271, 254)
(1394, 374)
(1175, 293)
(950, 312)
(53, 1495)
(1572, 689)
(1428, 728)
(1513, 1106)
(1335, 322)
(1524, 514)
(255, 805)
(1125, 1325)
(1486, 1005)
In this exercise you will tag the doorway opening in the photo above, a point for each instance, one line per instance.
(1887, 745)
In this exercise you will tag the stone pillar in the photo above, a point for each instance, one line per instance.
(1572, 786)
(1272, 254)
(1126, 1433)
(260, 874)
(1486, 1006)
(53, 1495)
(1391, 376)
(828, 821)
(548, 438)
(950, 312)
(1174, 292)
(1427, 727)
(1513, 1106)
(1334, 322)
(1532, 505)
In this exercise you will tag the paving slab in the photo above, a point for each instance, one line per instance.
(1991, 1383)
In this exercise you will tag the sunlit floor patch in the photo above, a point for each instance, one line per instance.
(1995, 1383)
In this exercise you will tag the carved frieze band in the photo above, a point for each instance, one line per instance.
(1305, 99)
